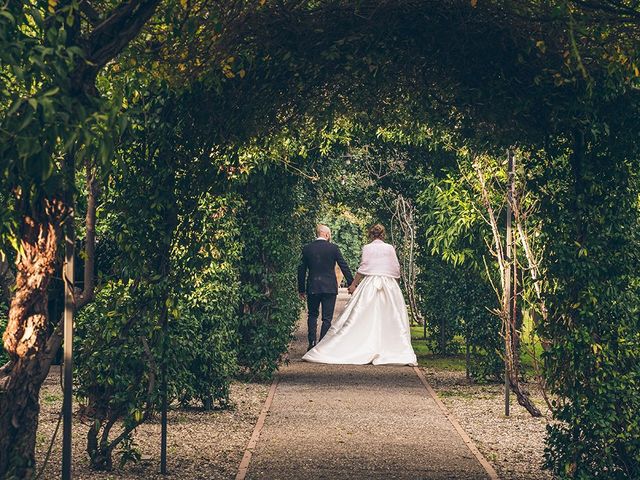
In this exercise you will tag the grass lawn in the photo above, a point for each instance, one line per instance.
(428, 359)
(530, 344)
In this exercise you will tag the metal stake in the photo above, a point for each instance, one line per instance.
(163, 434)
(69, 308)
(507, 293)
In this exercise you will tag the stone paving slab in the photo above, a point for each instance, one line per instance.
(356, 422)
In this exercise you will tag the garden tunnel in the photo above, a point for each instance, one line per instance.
(187, 124)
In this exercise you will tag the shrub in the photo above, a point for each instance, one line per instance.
(206, 333)
(117, 363)
(454, 301)
(273, 230)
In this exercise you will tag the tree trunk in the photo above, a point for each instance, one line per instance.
(98, 445)
(25, 339)
(19, 421)
(508, 300)
(27, 342)
(522, 394)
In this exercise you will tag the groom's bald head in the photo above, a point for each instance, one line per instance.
(323, 231)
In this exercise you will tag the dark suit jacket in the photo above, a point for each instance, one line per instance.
(319, 258)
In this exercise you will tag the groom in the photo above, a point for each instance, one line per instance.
(319, 258)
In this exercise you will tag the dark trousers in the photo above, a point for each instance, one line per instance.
(328, 301)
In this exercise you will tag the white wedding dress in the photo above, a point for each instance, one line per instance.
(374, 327)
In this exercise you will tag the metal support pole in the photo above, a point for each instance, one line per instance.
(163, 434)
(506, 391)
(69, 308)
(165, 267)
(467, 359)
(508, 291)
(424, 328)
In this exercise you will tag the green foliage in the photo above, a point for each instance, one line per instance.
(206, 324)
(454, 284)
(118, 371)
(454, 301)
(274, 228)
(116, 355)
(590, 206)
(427, 358)
(42, 115)
(168, 247)
(348, 231)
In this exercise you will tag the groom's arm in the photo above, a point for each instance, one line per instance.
(356, 282)
(343, 266)
(302, 274)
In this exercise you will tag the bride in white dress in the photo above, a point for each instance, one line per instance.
(374, 327)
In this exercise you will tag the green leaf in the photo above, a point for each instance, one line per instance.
(4, 13)
(51, 92)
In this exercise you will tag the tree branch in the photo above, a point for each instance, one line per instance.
(88, 291)
(91, 14)
(120, 27)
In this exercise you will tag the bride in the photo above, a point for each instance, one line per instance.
(374, 327)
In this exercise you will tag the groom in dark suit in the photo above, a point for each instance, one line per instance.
(319, 258)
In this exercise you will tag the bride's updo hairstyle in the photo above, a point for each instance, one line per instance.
(376, 232)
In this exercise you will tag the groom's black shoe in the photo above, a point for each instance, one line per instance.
(311, 345)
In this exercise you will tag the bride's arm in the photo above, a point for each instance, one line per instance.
(358, 278)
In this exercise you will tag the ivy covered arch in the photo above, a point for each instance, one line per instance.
(226, 89)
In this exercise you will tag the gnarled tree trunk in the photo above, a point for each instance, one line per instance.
(30, 346)
(27, 340)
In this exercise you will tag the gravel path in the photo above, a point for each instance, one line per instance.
(357, 422)
(201, 445)
(514, 445)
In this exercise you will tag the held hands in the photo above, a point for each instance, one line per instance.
(303, 296)
(352, 288)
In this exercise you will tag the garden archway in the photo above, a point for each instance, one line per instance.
(480, 78)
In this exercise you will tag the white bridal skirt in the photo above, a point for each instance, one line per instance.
(374, 328)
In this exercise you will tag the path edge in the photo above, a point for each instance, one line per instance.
(243, 468)
(452, 419)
